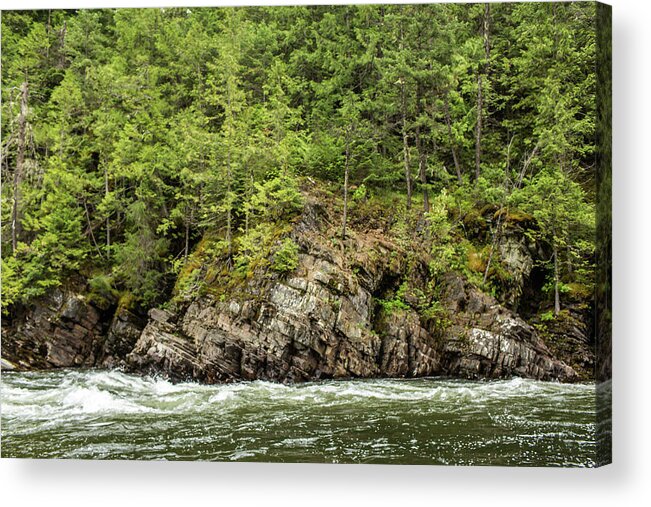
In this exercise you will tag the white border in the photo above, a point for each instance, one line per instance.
(627, 482)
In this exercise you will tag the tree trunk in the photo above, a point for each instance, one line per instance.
(62, 43)
(108, 220)
(422, 169)
(448, 122)
(346, 173)
(249, 197)
(483, 69)
(496, 238)
(90, 229)
(188, 222)
(478, 127)
(557, 297)
(16, 228)
(405, 139)
(229, 205)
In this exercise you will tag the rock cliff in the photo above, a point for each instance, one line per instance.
(326, 320)
(333, 315)
(64, 329)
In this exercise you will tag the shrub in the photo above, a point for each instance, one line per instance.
(286, 258)
(391, 306)
(102, 292)
(361, 193)
(277, 199)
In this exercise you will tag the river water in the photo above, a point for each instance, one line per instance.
(103, 414)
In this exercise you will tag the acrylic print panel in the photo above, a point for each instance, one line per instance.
(343, 234)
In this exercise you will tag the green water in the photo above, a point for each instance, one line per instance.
(94, 414)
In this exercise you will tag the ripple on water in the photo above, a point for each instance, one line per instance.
(110, 414)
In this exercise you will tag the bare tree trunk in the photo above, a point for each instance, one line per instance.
(16, 228)
(229, 174)
(108, 219)
(494, 242)
(249, 197)
(405, 139)
(448, 122)
(526, 164)
(48, 27)
(90, 229)
(478, 127)
(483, 69)
(229, 205)
(187, 234)
(557, 297)
(346, 173)
(62, 42)
(422, 169)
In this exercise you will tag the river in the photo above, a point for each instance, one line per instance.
(100, 414)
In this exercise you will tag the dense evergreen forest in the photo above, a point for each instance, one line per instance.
(137, 143)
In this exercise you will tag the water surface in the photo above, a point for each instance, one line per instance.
(103, 414)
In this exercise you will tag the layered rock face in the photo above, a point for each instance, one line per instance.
(64, 330)
(488, 340)
(59, 330)
(324, 321)
(328, 318)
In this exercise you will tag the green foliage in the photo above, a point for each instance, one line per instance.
(437, 314)
(443, 249)
(12, 283)
(286, 257)
(361, 193)
(277, 199)
(254, 248)
(148, 129)
(321, 155)
(397, 303)
(547, 316)
(392, 306)
(140, 258)
(102, 293)
(566, 221)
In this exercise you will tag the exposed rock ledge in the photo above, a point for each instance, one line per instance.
(63, 329)
(324, 323)
(323, 320)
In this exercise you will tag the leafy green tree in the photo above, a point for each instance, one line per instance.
(129, 135)
(565, 219)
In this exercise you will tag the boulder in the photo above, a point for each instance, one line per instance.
(321, 322)
(58, 330)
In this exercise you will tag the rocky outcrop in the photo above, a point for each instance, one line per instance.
(63, 329)
(122, 335)
(324, 321)
(312, 325)
(568, 336)
(486, 340)
(517, 256)
(59, 330)
(341, 313)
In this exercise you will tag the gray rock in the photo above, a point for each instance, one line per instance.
(6, 365)
(58, 330)
(123, 333)
(308, 327)
(516, 258)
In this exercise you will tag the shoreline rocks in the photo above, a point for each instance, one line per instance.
(309, 327)
(328, 318)
(63, 329)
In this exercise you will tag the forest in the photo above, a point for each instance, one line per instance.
(137, 143)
